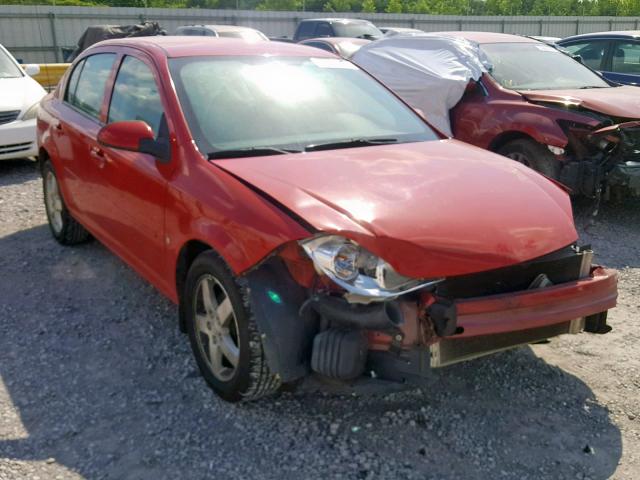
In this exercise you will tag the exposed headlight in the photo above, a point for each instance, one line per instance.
(32, 112)
(358, 271)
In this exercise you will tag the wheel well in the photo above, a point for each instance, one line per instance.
(187, 255)
(506, 137)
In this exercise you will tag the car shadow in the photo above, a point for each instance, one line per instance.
(97, 380)
(14, 172)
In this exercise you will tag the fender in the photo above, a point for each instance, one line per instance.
(287, 335)
(483, 120)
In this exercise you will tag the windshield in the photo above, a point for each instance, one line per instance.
(8, 68)
(290, 104)
(537, 66)
(358, 30)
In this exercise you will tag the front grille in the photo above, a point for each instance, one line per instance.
(6, 117)
(14, 148)
(560, 267)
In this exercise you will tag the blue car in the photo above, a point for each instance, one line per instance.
(615, 54)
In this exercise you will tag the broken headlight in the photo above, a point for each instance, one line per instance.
(358, 271)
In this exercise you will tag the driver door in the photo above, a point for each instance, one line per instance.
(133, 213)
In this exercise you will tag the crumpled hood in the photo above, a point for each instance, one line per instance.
(616, 101)
(431, 209)
(19, 93)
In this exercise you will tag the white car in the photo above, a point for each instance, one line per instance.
(19, 98)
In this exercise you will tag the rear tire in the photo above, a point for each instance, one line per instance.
(223, 334)
(533, 155)
(64, 228)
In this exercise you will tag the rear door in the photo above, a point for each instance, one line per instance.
(75, 135)
(624, 65)
(133, 210)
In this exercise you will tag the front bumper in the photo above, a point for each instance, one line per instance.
(499, 322)
(18, 139)
(536, 308)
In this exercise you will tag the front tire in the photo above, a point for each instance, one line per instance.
(533, 155)
(64, 228)
(223, 334)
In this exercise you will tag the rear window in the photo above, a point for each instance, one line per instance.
(364, 30)
(306, 29)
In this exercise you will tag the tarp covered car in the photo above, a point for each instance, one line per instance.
(521, 98)
(97, 33)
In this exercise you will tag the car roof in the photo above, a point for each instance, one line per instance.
(178, 46)
(488, 37)
(336, 20)
(595, 35)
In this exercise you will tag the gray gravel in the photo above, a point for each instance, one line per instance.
(97, 382)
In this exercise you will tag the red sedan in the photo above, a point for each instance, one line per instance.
(303, 218)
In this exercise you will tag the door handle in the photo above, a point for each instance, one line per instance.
(99, 155)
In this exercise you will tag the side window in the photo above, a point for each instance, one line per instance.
(324, 30)
(72, 85)
(591, 52)
(135, 95)
(305, 30)
(86, 92)
(626, 58)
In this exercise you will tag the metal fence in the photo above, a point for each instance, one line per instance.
(37, 34)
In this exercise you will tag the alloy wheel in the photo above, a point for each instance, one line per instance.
(53, 202)
(216, 328)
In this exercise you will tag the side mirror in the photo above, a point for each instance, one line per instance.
(32, 69)
(135, 136)
(578, 58)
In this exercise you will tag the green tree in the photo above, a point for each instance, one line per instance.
(394, 6)
(286, 5)
(369, 6)
(337, 6)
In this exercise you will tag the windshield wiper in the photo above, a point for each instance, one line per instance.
(354, 142)
(249, 152)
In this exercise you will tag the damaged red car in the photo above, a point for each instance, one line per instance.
(521, 98)
(304, 219)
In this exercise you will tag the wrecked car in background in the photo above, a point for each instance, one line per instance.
(304, 218)
(521, 98)
(97, 33)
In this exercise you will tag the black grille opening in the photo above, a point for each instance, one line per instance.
(560, 267)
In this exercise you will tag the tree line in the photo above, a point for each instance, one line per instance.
(432, 7)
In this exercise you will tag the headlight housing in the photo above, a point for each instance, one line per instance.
(358, 271)
(31, 113)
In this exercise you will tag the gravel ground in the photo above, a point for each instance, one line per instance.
(97, 382)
